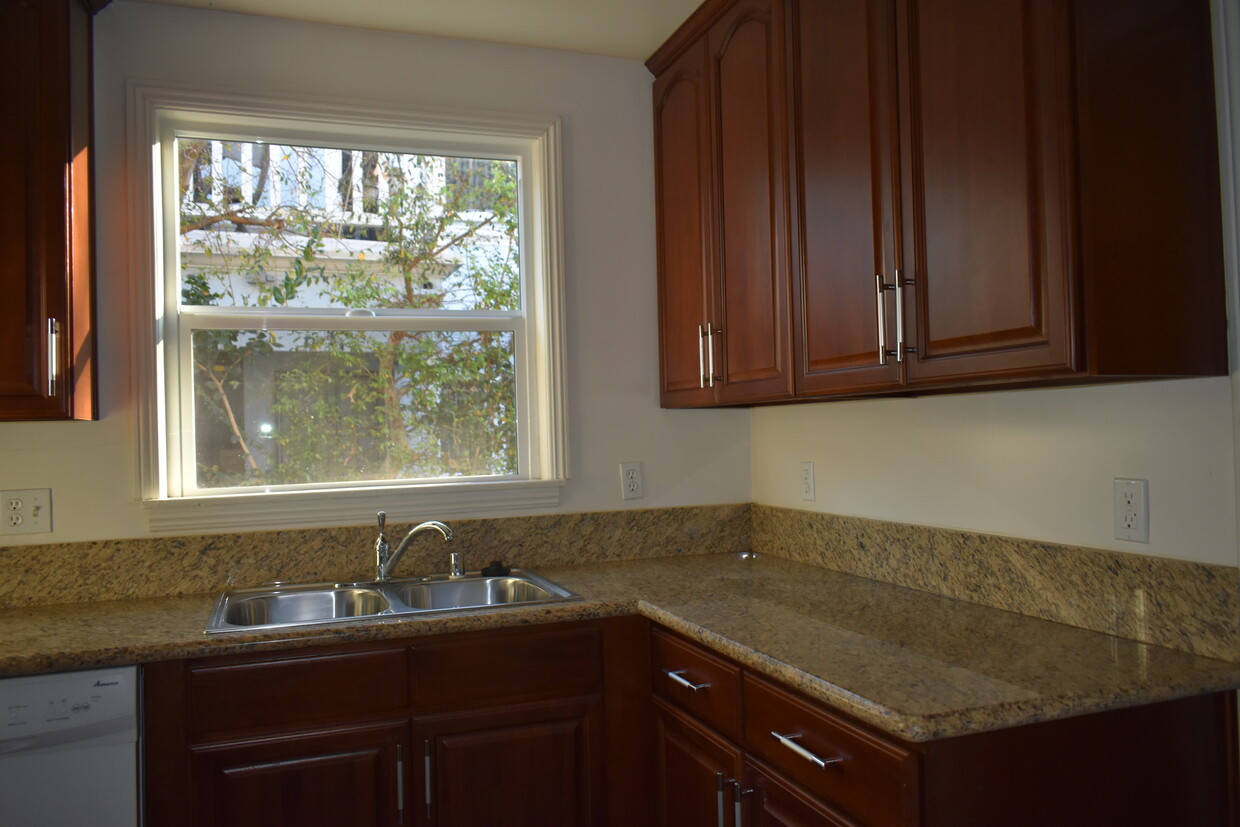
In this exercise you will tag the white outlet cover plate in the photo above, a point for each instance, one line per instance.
(1132, 510)
(632, 481)
(26, 511)
(807, 482)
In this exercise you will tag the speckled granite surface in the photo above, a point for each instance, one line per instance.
(917, 665)
(1189, 606)
(166, 567)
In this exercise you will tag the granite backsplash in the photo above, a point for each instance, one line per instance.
(1188, 606)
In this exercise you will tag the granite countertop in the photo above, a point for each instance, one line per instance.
(916, 665)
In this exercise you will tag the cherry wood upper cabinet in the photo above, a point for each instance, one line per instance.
(747, 72)
(721, 150)
(1060, 191)
(987, 192)
(684, 209)
(843, 76)
(46, 326)
(1008, 193)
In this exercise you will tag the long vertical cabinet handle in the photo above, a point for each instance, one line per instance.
(720, 783)
(426, 769)
(899, 317)
(701, 358)
(901, 348)
(53, 355)
(881, 303)
(710, 352)
(738, 816)
(400, 784)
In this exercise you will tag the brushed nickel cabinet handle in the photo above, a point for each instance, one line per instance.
(53, 355)
(426, 769)
(738, 816)
(899, 317)
(902, 349)
(676, 676)
(881, 303)
(701, 359)
(400, 784)
(789, 742)
(710, 354)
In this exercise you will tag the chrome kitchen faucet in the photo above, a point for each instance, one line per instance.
(386, 560)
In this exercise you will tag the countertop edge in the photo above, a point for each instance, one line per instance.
(54, 639)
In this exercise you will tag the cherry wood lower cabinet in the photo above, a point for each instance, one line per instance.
(533, 765)
(796, 762)
(505, 727)
(696, 769)
(350, 775)
(618, 723)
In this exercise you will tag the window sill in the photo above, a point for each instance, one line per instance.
(318, 509)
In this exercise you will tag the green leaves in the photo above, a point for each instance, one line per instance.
(309, 406)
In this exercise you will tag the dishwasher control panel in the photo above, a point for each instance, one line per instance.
(98, 702)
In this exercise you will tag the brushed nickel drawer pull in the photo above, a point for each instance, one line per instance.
(787, 741)
(676, 676)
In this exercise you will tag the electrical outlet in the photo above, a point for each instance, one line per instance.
(28, 511)
(1132, 510)
(807, 481)
(632, 485)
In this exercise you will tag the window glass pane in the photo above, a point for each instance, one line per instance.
(280, 407)
(266, 225)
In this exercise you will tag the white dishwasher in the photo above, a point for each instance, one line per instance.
(69, 749)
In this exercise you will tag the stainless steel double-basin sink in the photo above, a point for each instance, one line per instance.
(280, 606)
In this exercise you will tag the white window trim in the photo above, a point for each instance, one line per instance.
(148, 106)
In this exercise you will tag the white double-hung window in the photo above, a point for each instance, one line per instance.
(349, 309)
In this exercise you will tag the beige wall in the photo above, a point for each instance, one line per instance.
(1031, 464)
(690, 457)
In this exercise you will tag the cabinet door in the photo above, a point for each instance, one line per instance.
(843, 74)
(346, 776)
(45, 317)
(696, 769)
(685, 228)
(532, 765)
(747, 71)
(771, 801)
(987, 160)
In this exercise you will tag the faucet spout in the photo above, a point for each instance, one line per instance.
(385, 566)
(383, 549)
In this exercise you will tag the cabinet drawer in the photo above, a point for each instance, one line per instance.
(507, 666)
(867, 777)
(293, 693)
(716, 700)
